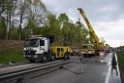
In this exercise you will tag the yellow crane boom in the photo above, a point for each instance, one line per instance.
(99, 45)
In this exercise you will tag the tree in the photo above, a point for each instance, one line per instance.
(14, 33)
(2, 6)
(22, 8)
(10, 6)
(32, 17)
(63, 18)
(2, 28)
(53, 26)
(25, 11)
(7, 7)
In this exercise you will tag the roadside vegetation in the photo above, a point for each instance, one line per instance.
(11, 51)
(120, 54)
(12, 55)
(121, 62)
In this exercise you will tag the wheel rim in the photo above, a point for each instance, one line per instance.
(69, 56)
(44, 58)
(65, 56)
(53, 57)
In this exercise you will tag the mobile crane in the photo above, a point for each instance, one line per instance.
(96, 46)
(38, 48)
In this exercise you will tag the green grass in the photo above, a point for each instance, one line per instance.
(121, 62)
(12, 54)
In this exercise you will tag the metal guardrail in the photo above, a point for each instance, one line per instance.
(25, 74)
(2, 72)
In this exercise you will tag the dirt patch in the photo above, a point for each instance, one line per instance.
(5, 44)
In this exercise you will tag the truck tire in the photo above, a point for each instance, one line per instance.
(44, 58)
(68, 55)
(97, 53)
(52, 57)
(32, 60)
(65, 56)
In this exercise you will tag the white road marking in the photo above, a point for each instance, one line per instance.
(109, 69)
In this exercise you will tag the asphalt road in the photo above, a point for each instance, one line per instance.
(90, 70)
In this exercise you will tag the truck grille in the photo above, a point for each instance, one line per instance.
(30, 52)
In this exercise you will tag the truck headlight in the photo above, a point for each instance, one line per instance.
(35, 56)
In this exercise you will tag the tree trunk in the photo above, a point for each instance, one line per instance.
(7, 28)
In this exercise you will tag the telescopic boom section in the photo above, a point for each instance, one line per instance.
(92, 32)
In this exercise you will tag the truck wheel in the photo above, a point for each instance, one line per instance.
(31, 60)
(97, 53)
(65, 56)
(53, 57)
(44, 59)
(68, 56)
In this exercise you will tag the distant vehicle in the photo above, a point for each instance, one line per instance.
(87, 50)
(107, 49)
(75, 51)
(37, 48)
(97, 45)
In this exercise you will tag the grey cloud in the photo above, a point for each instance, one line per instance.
(97, 11)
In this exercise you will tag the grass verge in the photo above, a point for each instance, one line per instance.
(12, 54)
(121, 62)
(121, 65)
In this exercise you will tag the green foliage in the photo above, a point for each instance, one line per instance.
(120, 55)
(2, 6)
(13, 33)
(121, 62)
(63, 18)
(53, 25)
(2, 28)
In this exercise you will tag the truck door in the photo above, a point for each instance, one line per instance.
(42, 46)
(58, 52)
(62, 52)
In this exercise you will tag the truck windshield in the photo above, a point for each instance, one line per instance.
(87, 47)
(31, 43)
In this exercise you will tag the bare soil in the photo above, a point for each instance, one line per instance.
(6, 44)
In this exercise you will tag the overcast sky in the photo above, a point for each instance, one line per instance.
(105, 16)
